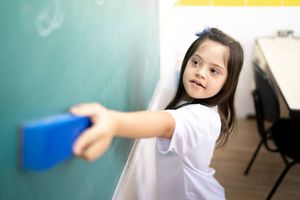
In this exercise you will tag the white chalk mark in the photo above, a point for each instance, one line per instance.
(100, 2)
(45, 24)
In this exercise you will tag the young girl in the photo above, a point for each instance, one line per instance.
(201, 115)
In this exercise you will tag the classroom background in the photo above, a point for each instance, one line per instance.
(245, 21)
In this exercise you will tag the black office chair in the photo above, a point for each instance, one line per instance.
(283, 133)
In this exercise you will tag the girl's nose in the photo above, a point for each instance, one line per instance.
(201, 72)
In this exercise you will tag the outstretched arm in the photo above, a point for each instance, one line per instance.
(93, 142)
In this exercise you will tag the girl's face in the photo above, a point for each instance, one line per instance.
(206, 70)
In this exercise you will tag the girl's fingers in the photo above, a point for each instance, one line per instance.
(95, 140)
(96, 149)
(89, 109)
(89, 136)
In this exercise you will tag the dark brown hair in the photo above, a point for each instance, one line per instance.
(224, 99)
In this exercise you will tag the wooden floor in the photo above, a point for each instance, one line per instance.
(231, 162)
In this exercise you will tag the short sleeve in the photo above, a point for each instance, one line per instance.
(194, 124)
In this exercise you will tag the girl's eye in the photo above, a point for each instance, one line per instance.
(197, 62)
(214, 71)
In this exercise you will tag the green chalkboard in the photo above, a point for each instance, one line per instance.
(58, 53)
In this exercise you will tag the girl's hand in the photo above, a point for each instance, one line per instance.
(94, 141)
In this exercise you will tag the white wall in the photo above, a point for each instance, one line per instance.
(179, 24)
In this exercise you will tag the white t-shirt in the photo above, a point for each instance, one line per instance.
(183, 171)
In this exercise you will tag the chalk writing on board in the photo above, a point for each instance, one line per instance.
(100, 2)
(47, 23)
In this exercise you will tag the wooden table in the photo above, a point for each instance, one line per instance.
(281, 57)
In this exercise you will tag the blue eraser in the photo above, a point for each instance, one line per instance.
(48, 141)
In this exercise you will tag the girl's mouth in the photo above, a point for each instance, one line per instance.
(197, 83)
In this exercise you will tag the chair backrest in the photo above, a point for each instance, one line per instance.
(266, 104)
(266, 99)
